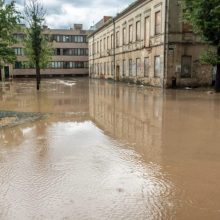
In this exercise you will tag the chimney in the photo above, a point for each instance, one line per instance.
(77, 27)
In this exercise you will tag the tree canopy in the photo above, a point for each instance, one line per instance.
(9, 19)
(37, 47)
(204, 15)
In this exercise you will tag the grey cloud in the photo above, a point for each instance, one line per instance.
(83, 11)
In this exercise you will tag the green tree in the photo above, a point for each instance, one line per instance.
(204, 15)
(37, 48)
(9, 19)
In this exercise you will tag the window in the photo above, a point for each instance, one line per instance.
(157, 69)
(138, 67)
(117, 39)
(107, 68)
(138, 31)
(66, 38)
(107, 42)
(98, 68)
(124, 36)
(112, 41)
(19, 37)
(124, 68)
(67, 64)
(94, 49)
(19, 51)
(100, 45)
(130, 67)
(66, 52)
(57, 52)
(158, 22)
(104, 44)
(147, 31)
(130, 33)
(97, 47)
(186, 67)
(112, 68)
(146, 66)
(18, 65)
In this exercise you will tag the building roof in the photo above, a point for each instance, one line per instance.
(119, 15)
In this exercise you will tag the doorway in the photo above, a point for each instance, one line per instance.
(6, 69)
(117, 73)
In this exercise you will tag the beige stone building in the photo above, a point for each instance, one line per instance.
(148, 43)
(70, 53)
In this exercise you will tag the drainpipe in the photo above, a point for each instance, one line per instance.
(114, 47)
(93, 56)
(166, 42)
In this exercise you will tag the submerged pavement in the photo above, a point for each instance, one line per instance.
(108, 151)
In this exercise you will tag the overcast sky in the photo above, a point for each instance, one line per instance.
(63, 13)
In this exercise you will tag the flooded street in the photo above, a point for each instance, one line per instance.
(109, 151)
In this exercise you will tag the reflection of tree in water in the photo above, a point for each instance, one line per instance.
(11, 137)
(42, 141)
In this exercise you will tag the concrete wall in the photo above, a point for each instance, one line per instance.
(62, 45)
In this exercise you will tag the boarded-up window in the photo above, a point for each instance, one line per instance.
(187, 27)
(124, 67)
(147, 31)
(146, 66)
(117, 39)
(138, 31)
(138, 67)
(130, 33)
(186, 67)
(124, 36)
(157, 68)
(158, 22)
(130, 67)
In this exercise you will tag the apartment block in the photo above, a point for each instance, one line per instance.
(148, 43)
(70, 56)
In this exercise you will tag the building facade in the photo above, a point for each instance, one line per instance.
(70, 56)
(148, 44)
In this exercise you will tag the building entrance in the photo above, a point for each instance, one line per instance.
(117, 73)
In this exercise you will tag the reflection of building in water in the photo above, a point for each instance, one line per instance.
(56, 96)
(70, 96)
(128, 114)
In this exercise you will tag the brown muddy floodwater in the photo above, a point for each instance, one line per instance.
(109, 151)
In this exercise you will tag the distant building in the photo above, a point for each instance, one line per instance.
(70, 53)
(148, 43)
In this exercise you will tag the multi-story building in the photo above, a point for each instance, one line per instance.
(70, 53)
(148, 43)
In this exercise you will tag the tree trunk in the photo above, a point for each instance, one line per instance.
(38, 75)
(0, 74)
(217, 80)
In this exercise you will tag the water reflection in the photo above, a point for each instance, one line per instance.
(109, 151)
(129, 115)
